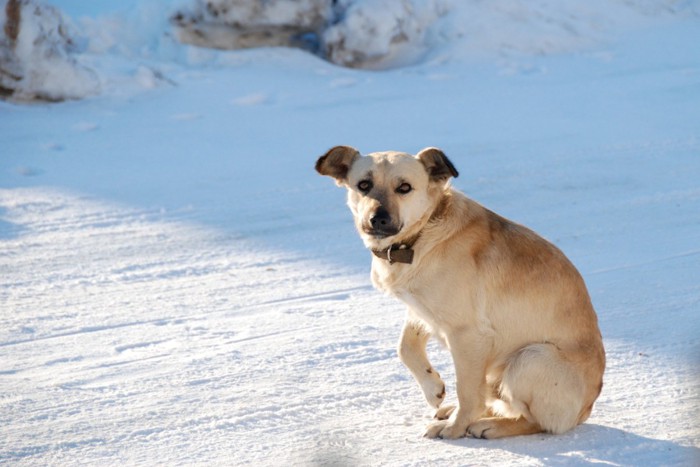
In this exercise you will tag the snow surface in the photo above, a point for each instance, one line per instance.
(179, 287)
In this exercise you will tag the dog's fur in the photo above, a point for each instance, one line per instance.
(510, 307)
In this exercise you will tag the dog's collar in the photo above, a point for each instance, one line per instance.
(397, 253)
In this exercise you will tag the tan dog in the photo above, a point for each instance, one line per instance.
(510, 307)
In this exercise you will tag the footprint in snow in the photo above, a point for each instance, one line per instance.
(53, 147)
(343, 82)
(29, 171)
(440, 76)
(252, 99)
(136, 346)
(85, 127)
(186, 116)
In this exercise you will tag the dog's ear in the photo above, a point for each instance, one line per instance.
(337, 162)
(437, 164)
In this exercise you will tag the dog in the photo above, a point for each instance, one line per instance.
(513, 311)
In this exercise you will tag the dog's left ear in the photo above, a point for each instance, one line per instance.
(336, 162)
(439, 167)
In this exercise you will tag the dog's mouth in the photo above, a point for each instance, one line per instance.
(382, 232)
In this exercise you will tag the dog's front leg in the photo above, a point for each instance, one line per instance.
(414, 338)
(467, 349)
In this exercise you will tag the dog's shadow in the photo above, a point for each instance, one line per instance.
(593, 444)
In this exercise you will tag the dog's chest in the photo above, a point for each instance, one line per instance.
(396, 280)
(417, 288)
(416, 306)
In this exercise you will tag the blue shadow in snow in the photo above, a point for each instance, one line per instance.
(590, 444)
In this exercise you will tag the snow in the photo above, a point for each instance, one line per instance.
(179, 287)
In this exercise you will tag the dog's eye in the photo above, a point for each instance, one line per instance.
(404, 188)
(364, 186)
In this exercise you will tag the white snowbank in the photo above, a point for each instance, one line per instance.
(37, 55)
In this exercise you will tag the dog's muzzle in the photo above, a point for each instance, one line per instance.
(381, 224)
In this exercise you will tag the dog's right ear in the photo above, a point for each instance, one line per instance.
(336, 162)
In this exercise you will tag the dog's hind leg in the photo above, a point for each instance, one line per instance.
(411, 349)
(499, 427)
(542, 389)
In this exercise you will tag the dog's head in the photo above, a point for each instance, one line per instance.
(391, 194)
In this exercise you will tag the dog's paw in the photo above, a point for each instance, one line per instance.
(483, 429)
(444, 412)
(433, 389)
(445, 429)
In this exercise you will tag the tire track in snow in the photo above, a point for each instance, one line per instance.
(86, 330)
(239, 311)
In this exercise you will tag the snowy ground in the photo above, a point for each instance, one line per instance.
(178, 286)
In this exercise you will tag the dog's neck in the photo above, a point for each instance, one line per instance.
(402, 252)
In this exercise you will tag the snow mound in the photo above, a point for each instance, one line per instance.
(36, 55)
(240, 24)
(381, 34)
(352, 33)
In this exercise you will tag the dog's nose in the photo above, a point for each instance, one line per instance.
(380, 219)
